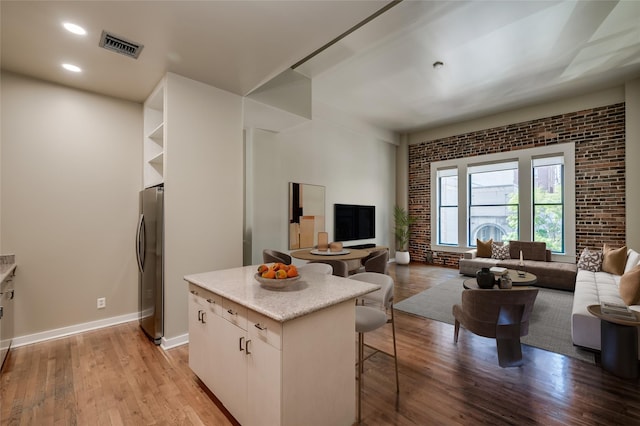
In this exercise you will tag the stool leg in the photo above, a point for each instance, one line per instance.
(360, 356)
(395, 352)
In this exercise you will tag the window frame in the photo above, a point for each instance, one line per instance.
(446, 173)
(488, 168)
(525, 159)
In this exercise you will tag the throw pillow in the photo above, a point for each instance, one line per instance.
(633, 259)
(484, 248)
(630, 287)
(613, 260)
(590, 260)
(500, 252)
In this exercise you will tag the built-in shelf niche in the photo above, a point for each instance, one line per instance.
(154, 137)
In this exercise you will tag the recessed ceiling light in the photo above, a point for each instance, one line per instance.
(73, 28)
(70, 67)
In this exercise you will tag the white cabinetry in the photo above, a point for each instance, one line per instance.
(267, 372)
(7, 294)
(242, 367)
(204, 324)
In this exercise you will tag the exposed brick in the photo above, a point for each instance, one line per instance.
(599, 137)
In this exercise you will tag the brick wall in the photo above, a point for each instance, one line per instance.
(599, 137)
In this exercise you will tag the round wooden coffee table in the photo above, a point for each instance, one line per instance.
(522, 278)
(517, 280)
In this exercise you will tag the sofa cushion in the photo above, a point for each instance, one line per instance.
(613, 260)
(633, 259)
(630, 286)
(590, 260)
(484, 248)
(499, 251)
(531, 250)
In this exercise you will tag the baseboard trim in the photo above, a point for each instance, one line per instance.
(71, 330)
(174, 341)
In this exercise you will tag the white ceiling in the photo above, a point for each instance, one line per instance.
(497, 55)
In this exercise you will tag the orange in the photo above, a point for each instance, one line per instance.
(269, 274)
(292, 272)
(262, 268)
(281, 273)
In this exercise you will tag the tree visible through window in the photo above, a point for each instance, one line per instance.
(492, 210)
(548, 207)
(526, 194)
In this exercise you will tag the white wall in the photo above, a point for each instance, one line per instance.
(203, 189)
(632, 153)
(354, 168)
(71, 172)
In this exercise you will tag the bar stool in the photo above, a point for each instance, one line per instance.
(320, 268)
(369, 318)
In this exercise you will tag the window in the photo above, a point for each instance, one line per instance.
(548, 206)
(526, 194)
(448, 206)
(493, 202)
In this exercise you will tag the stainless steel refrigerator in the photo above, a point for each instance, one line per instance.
(149, 252)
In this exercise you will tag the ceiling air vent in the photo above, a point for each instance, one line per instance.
(120, 45)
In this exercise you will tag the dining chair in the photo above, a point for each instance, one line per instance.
(274, 256)
(340, 267)
(500, 314)
(371, 316)
(378, 263)
(321, 268)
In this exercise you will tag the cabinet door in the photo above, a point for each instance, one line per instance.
(231, 388)
(198, 341)
(264, 380)
(204, 325)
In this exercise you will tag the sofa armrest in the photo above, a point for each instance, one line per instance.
(470, 254)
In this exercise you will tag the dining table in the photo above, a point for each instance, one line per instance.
(344, 254)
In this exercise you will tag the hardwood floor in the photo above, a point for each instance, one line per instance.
(114, 376)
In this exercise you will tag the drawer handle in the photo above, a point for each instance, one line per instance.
(240, 343)
(203, 317)
(211, 301)
(231, 312)
(200, 315)
(247, 346)
(195, 293)
(260, 327)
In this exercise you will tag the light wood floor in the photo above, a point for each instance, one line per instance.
(114, 376)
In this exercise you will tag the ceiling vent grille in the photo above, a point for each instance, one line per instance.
(120, 45)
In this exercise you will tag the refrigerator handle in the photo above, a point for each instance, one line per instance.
(140, 243)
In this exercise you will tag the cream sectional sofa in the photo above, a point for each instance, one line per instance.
(537, 260)
(592, 288)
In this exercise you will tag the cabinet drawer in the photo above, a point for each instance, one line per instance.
(265, 329)
(234, 313)
(209, 301)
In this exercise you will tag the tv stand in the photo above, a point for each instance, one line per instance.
(361, 246)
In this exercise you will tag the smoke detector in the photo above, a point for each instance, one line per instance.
(120, 45)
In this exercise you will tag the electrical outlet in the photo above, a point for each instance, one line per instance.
(435, 254)
(102, 302)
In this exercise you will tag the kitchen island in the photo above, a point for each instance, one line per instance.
(276, 357)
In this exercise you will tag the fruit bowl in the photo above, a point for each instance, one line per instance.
(275, 283)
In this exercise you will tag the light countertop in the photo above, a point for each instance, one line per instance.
(311, 293)
(7, 265)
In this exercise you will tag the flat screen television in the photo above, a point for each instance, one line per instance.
(353, 222)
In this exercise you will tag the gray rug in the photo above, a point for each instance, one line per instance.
(549, 327)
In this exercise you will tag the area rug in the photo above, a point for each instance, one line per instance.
(549, 326)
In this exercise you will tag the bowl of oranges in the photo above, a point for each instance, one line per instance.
(277, 276)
